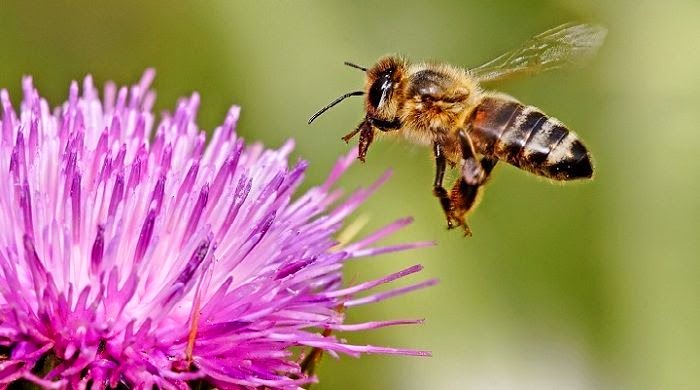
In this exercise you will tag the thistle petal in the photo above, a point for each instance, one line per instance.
(139, 263)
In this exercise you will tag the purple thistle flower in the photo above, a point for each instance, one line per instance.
(133, 260)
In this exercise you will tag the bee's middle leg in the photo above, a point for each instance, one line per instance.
(453, 219)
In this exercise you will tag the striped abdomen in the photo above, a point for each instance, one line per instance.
(528, 139)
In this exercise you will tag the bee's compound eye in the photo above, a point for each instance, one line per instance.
(380, 90)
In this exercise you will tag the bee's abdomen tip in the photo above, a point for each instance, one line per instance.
(572, 169)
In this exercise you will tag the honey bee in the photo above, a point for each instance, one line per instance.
(444, 106)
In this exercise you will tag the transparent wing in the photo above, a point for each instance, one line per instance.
(565, 45)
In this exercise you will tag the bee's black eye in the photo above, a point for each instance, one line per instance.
(381, 89)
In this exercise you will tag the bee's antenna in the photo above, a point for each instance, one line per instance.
(333, 103)
(350, 64)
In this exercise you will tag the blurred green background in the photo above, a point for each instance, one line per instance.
(585, 286)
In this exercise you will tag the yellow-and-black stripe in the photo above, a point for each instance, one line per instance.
(527, 138)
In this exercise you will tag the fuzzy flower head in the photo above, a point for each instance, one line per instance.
(134, 260)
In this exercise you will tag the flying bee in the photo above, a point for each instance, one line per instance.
(444, 106)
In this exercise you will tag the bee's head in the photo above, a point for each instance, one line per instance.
(383, 88)
(383, 84)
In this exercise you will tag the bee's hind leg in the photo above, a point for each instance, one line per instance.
(474, 172)
(464, 194)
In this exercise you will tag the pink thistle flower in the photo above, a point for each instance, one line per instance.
(139, 263)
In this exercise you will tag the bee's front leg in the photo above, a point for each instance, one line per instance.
(347, 137)
(366, 131)
(366, 138)
(366, 128)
